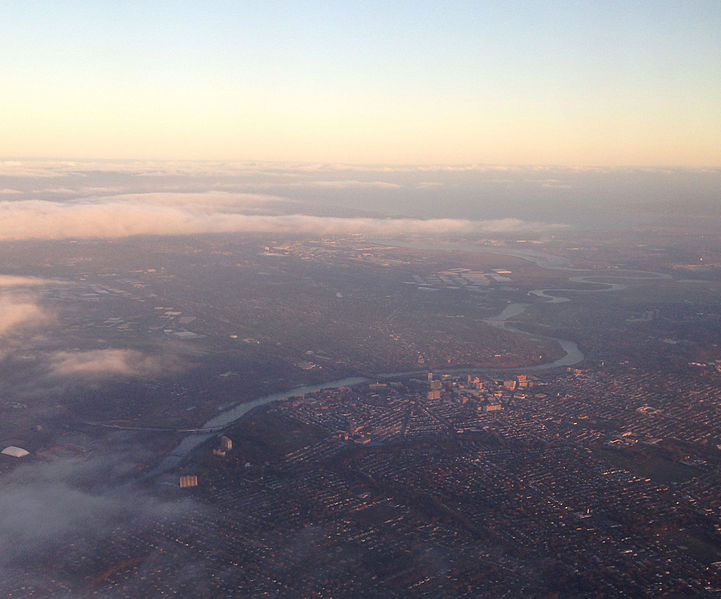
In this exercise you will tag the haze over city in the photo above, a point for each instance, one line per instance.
(304, 299)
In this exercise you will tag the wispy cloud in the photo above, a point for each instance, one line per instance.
(20, 311)
(46, 506)
(345, 184)
(555, 184)
(36, 168)
(14, 281)
(110, 363)
(201, 202)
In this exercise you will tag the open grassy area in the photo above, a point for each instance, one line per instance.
(697, 547)
(657, 468)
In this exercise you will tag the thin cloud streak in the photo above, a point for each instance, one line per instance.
(344, 184)
(203, 201)
(15, 281)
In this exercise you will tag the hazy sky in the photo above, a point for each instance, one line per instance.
(575, 83)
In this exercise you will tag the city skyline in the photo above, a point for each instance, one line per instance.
(467, 83)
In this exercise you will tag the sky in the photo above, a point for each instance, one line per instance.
(558, 83)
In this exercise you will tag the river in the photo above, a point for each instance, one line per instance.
(228, 417)
(573, 355)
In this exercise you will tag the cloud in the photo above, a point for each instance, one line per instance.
(38, 506)
(171, 214)
(346, 184)
(387, 226)
(555, 184)
(19, 311)
(14, 281)
(59, 190)
(47, 507)
(320, 167)
(36, 168)
(109, 363)
(197, 202)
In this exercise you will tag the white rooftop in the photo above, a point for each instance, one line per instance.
(16, 452)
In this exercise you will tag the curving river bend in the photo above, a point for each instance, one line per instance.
(573, 355)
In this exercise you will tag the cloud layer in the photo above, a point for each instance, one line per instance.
(166, 214)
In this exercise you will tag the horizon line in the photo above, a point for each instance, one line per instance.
(368, 165)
